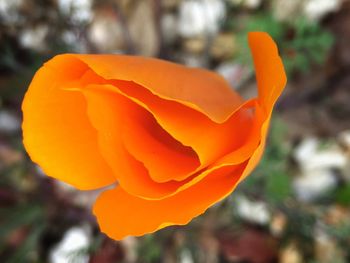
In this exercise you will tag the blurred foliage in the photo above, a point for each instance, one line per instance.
(27, 220)
(343, 195)
(150, 249)
(302, 43)
(271, 179)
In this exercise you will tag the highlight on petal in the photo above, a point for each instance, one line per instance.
(199, 89)
(57, 133)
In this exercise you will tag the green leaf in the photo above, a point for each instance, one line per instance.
(278, 187)
(343, 195)
(150, 249)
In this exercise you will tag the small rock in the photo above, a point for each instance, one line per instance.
(332, 158)
(290, 254)
(255, 212)
(287, 10)
(73, 247)
(194, 45)
(186, 256)
(223, 46)
(317, 9)
(200, 17)
(278, 224)
(305, 149)
(313, 184)
(75, 43)
(9, 10)
(79, 11)
(309, 156)
(9, 123)
(106, 32)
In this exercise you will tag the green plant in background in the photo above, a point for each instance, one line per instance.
(271, 180)
(26, 217)
(343, 195)
(302, 43)
(150, 249)
(274, 164)
(310, 45)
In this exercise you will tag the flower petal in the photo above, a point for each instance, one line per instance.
(56, 131)
(270, 75)
(120, 214)
(199, 89)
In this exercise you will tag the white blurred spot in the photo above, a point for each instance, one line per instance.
(200, 17)
(34, 38)
(77, 10)
(186, 256)
(310, 157)
(316, 166)
(313, 184)
(9, 10)
(72, 246)
(306, 148)
(9, 122)
(317, 9)
(253, 211)
(106, 32)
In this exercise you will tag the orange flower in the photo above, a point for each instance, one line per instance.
(176, 139)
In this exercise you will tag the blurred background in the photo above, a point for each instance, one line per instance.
(294, 208)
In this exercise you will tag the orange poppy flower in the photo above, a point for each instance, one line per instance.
(176, 139)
